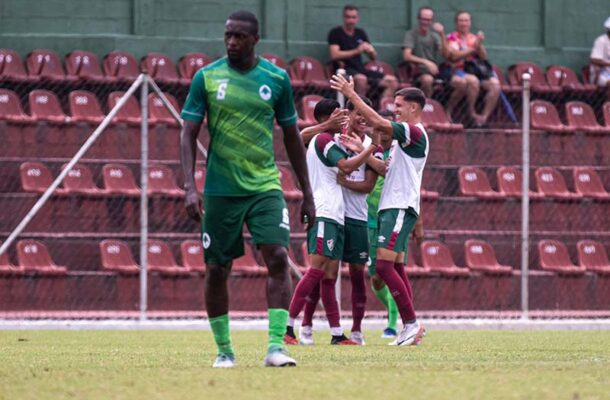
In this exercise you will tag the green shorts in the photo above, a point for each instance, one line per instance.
(326, 238)
(356, 247)
(395, 226)
(372, 251)
(265, 214)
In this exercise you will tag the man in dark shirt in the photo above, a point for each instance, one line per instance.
(346, 44)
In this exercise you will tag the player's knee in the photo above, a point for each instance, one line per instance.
(216, 272)
(277, 260)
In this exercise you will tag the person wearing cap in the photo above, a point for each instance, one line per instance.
(600, 58)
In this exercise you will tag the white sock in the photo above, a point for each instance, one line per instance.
(308, 330)
(336, 331)
(291, 322)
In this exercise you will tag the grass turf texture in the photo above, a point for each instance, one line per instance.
(177, 364)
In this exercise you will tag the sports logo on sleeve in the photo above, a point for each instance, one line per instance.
(206, 241)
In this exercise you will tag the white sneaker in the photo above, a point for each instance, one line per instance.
(279, 358)
(411, 334)
(393, 343)
(224, 361)
(306, 335)
(358, 337)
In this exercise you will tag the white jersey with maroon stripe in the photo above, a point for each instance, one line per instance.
(322, 156)
(408, 155)
(355, 202)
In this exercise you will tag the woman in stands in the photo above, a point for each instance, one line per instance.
(465, 46)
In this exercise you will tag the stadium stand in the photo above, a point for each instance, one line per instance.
(84, 65)
(538, 78)
(480, 256)
(593, 257)
(554, 257)
(12, 68)
(545, 117)
(308, 74)
(191, 63)
(437, 258)
(588, 183)
(192, 255)
(275, 59)
(161, 259)
(160, 67)
(47, 65)
(580, 117)
(33, 256)
(566, 79)
(308, 104)
(116, 256)
(121, 65)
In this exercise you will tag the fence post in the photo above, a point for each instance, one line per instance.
(144, 201)
(525, 198)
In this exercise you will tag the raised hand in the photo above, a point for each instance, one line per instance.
(337, 120)
(438, 28)
(352, 142)
(340, 84)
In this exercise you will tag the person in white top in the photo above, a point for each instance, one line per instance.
(600, 58)
(325, 158)
(400, 196)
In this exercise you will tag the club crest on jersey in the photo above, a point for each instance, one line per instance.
(331, 244)
(206, 241)
(265, 92)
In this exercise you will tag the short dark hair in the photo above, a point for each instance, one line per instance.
(413, 94)
(422, 9)
(245, 16)
(324, 108)
(387, 113)
(350, 7)
(350, 106)
(457, 14)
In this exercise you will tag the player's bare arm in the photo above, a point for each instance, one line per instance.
(188, 140)
(365, 186)
(354, 143)
(377, 165)
(296, 155)
(376, 121)
(334, 123)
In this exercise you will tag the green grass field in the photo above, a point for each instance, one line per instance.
(176, 365)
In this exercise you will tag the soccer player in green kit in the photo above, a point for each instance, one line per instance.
(242, 94)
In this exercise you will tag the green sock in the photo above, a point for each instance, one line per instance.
(278, 319)
(222, 336)
(386, 298)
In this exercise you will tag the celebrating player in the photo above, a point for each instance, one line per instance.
(400, 197)
(242, 93)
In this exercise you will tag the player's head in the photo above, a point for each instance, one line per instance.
(350, 16)
(462, 21)
(241, 35)
(357, 123)
(386, 137)
(324, 109)
(607, 26)
(409, 104)
(425, 17)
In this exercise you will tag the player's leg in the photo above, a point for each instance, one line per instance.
(380, 288)
(267, 220)
(356, 275)
(306, 331)
(356, 254)
(458, 85)
(222, 242)
(394, 226)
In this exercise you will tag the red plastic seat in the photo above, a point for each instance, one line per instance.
(580, 117)
(161, 180)
(275, 59)
(161, 259)
(289, 186)
(588, 183)
(474, 182)
(35, 177)
(121, 66)
(159, 113)
(566, 79)
(504, 84)
(435, 117)
(308, 72)
(160, 67)
(200, 178)
(85, 107)
(7, 268)
(387, 103)
(84, 65)
(44, 106)
(480, 256)
(592, 256)
(412, 268)
(191, 63)
(192, 255)
(119, 179)
(10, 107)
(308, 104)
(80, 180)
(47, 65)
(554, 257)
(247, 264)
(437, 257)
(129, 113)
(12, 69)
(510, 181)
(117, 257)
(538, 78)
(551, 183)
(33, 256)
(380, 66)
(544, 116)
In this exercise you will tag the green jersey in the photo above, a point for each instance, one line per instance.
(241, 107)
(373, 198)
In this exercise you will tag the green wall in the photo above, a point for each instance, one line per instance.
(544, 31)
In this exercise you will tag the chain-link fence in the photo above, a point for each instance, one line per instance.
(472, 203)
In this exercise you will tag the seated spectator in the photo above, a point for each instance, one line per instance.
(600, 57)
(346, 45)
(464, 46)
